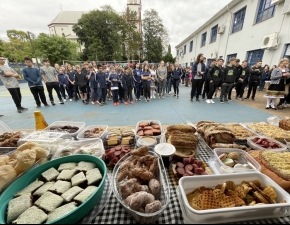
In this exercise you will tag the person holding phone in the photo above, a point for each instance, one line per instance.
(198, 71)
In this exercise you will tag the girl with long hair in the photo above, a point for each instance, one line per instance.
(146, 80)
(153, 80)
(198, 71)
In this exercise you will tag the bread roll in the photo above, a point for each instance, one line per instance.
(40, 153)
(7, 174)
(25, 160)
(27, 145)
(4, 160)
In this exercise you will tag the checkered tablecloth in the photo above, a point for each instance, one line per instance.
(113, 212)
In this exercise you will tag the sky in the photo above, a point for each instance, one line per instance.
(180, 17)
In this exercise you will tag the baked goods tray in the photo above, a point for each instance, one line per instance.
(100, 205)
(238, 140)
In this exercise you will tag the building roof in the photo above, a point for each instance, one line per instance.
(212, 19)
(67, 17)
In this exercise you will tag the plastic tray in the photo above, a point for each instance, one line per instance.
(235, 214)
(75, 147)
(221, 168)
(4, 128)
(158, 138)
(164, 195)
(103, 135)
(80, 125)
(258, 147)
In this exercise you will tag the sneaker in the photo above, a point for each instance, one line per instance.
(19, 110)
(64, 100)
(145, 100)
(211, 101)
(61, 102)
(208, 101)
(246, 98)
(230, 100)
(240, 99)
(52, 103)
(93, 103)
(132, 103)
(222, 102)
(163, 97)
(23, 109)
(126, 103)
(70, 100)
(174, 95)
(253, 99)
(115, 104)
(169, 93)
(154, 96)
(109, 99)
(38, 106)
(97, 102)
(100, 104)
(104, 103)
(47, 105)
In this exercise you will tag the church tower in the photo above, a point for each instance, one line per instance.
(135, 5)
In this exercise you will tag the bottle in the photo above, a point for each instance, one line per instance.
(40, 122)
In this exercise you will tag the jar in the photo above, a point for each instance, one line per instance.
(166, 151)
(150, 142)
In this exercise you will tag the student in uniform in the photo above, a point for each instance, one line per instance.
(176, 75)
(63, 84)
(34, 79)
(239, 72)
(72, 86)
(214, 78)
(255, 74)
(128, 77)
(205, 78)
(198, 71)
(121, 90)
(228, 80)
(114, 79)
(93, 85)
(101, 79)
(242, 81)
(169, 79)
(81, 82)
(146, 81)
(138, 81)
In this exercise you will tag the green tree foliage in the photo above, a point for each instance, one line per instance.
(155, 36)
(168, 58)
(100, 31)
(55, 48)
(17, 47)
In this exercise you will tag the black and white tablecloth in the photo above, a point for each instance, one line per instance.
(113, 212)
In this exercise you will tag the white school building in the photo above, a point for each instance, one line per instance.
(245, 29)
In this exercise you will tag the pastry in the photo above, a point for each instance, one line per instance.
(4, 160)
(25, 160)
(7, 174)
(61, 211)
(32, 215)
(51, 202)
(85, 166)
(84, 195)
(142, 151)
(66, 174)
(71, 193)
(60, 187)
(43, 189)
(67, 166)
(50, 174)
(30, 188)
(93, 176)
(78, 179)
(153, 207)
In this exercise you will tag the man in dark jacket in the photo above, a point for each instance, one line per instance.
(228, 79)
(176, 75)
(239, 72)
(243, 80)
(255, 74)
(205, 78)
(214, 78)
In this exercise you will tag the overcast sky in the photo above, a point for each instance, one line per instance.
(181, 17)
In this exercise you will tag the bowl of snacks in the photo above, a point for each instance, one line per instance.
(61, 191)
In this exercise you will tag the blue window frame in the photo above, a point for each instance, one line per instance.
(184, 50)
(177, 52)
(213, 34)
(191, 46)
(254, 56)
(231, 56)
(239, 18)
(265, 11)
(203, 39)
(287, 51)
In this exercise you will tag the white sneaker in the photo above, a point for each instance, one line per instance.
(154, 96)
(64, 100)
(208, 101)
(211, 101)
(70, 100)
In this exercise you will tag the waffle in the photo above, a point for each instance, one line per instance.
(238, 201)
(208, 201)
(240, 191)
(230, 185)
(218, 195)
(196, 202)
(193, 194)
(227, 202)
(270, 191)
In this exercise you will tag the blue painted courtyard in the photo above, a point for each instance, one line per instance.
(169, 111)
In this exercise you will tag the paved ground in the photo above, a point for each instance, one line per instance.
(168, 111)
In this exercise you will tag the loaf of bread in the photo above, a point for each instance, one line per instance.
(181, 127)
(285, 124)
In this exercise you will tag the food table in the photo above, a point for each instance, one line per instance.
(114, 213)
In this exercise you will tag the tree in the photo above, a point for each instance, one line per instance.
(168, 58)
(18, 46)
(55, 48)
(100, 31)
(155, 36)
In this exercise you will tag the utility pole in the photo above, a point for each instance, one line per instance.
(31, 37)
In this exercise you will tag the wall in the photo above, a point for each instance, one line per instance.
(248, 39)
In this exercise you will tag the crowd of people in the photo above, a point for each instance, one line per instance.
(98, 84)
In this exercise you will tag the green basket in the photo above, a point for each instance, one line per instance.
(35, 173)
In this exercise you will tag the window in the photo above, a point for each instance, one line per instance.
(177, 52)
(213, 34)
(254, 56)
(184, 50)
(239, 18)
(191, 46)
(203, 39)
(265, 11)
(287, 51)
(231, 56)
